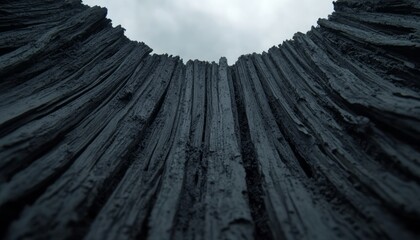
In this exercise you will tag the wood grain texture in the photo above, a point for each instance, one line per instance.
(317, 138)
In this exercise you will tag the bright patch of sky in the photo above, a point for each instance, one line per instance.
(209, 29)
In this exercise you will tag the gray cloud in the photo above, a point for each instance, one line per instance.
(209, 29)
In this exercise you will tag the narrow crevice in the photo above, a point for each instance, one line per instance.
(304, 165)
(143, 232)
(145, 227)
(254, 180)
(190, 211)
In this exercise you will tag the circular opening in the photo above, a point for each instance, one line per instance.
(209, 29)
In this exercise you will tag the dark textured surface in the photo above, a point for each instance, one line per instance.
(316, 139)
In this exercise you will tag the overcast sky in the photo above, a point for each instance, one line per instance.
(209, 29)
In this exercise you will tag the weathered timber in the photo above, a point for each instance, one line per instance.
(317, 138)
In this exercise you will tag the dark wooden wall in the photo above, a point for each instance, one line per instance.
(318, 138)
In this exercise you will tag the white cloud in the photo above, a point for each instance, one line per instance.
(209, 29)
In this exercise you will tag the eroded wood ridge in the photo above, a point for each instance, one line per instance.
(317, 138)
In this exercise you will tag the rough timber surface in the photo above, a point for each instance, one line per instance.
(317, 138)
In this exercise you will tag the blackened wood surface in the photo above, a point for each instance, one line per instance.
(318, 138)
